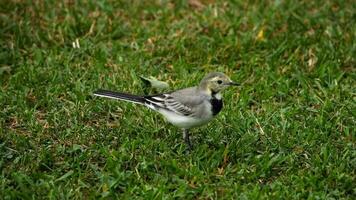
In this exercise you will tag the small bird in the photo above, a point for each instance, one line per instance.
(186, 108)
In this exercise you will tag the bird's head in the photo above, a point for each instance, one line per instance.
(215, 82)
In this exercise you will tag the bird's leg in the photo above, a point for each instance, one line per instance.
(186, 138)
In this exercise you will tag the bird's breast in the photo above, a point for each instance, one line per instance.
(216, 105)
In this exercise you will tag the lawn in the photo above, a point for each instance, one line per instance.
(288, 132)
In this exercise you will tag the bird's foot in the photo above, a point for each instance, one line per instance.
(186, 138)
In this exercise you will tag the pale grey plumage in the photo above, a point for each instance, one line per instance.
(185, 108)
(190, 101)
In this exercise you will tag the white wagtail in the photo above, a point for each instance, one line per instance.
(185, 108)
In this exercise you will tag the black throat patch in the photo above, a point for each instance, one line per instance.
(216, 104)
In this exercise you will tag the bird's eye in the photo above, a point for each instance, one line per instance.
(219, 81)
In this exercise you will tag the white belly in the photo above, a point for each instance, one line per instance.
(184, 121)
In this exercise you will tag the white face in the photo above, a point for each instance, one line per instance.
(219, 83)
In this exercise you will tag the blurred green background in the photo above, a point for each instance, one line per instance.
(288, 132)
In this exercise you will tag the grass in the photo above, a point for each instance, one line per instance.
(287, 133)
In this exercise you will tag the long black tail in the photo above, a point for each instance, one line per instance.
(120, 96)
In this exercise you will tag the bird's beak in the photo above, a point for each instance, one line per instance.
(233, 83)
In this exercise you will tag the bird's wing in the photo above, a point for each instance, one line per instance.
(167, 102)
(182, 102)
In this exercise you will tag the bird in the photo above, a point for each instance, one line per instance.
(185, 108)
